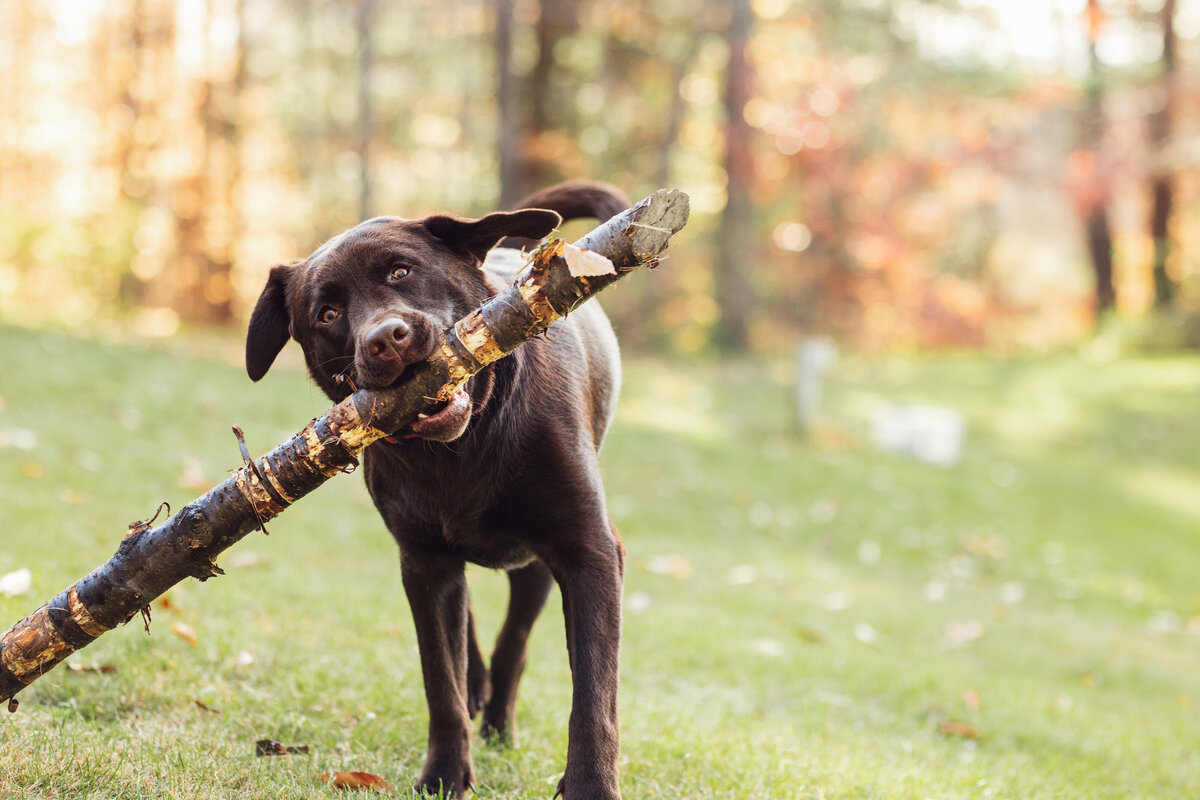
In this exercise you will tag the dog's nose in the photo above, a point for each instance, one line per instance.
(386, 338)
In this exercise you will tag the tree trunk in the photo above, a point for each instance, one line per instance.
(151, 560)
(1098, 232)
(363, 22)
(556, 21)
(507, 115)
(735, 242)
(1099, 242)
(1161, 184)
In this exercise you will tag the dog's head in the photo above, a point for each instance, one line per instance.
(375, 299)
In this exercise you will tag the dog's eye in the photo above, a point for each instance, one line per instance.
(397, 273)
(328, 315)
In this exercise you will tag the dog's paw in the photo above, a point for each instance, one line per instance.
(441, 783)
(500, 732)
(585, 790)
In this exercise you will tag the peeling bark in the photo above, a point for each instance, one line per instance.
(151, 560)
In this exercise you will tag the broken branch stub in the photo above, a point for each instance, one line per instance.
(557, 279)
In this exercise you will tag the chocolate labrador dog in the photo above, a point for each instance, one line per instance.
(505, 474)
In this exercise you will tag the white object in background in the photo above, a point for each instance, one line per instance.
(932, 434)
(815, 356)
(16, 583)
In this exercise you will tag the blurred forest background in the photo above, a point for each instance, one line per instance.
(898, 174)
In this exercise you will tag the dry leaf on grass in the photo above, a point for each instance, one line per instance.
(247, 560)
(809, 634)
(675, 565)
(185, 633)
(200, 704)
(274, 747)
(357, 780)
(16, 583)
(81, 668)
(167, 604)
(192, 476)
(960, 729)
(959, 632)
(18, 439)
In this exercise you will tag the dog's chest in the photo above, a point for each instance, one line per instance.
(485, 538)
(449, 509)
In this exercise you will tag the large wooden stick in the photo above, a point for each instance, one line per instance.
(150, 560)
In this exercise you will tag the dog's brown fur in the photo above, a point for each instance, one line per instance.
(506, 475)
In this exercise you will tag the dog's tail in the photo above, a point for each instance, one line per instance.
(573, 200)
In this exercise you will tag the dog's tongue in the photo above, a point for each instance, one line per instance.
(448, 423)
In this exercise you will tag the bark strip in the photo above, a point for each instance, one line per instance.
(151, 560)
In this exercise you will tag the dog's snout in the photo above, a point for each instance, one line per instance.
(386, 338)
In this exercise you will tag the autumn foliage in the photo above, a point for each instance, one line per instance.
(898, 174)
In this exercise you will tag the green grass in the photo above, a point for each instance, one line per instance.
(802, 615)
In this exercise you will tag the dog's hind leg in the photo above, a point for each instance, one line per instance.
(437, 593)
(479, 687)
(528, 589)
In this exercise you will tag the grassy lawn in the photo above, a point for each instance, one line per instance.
(805, 618)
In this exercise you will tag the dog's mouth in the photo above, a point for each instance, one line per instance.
(445, 422)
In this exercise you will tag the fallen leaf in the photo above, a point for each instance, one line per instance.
(185, 633)
(960, 729)
(1012, 593)
(89, 460)
(99, 668)
(837, 601)
(866, 634)
(959, 632)
(18, 439)
(677, 566)
(810, 635)
(200, 704)
(357, 780)
(870, 552)
(193, 477)
(986, 546)
(247, 560)
(274, 747)
(935, 591)
(637, 602)
(743, 574)
(16, 583)
(768, 647)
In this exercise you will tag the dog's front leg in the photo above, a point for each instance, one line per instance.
(591, 589)
(437, 593)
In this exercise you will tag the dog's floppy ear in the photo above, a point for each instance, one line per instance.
(477, 236)
(270, 324)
